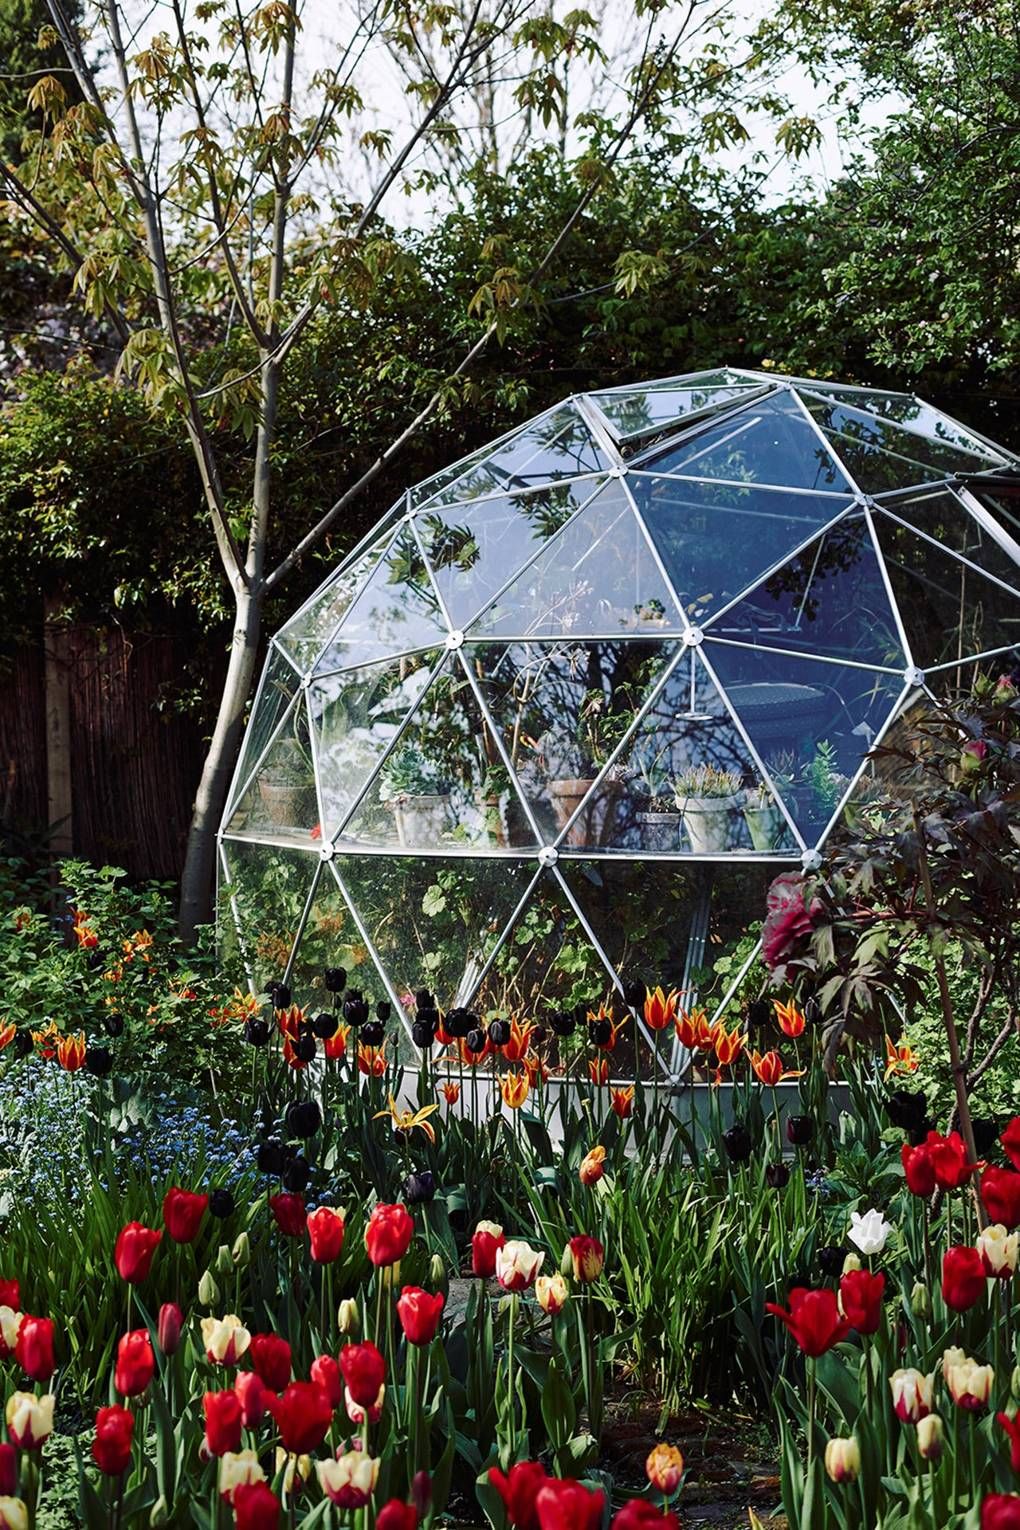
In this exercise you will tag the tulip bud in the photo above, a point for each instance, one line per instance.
(843, 1459)
(437, 1273)
(421, 1493)
(664, 1468)
(851, 1262)
(929, 1437)
(208, 1290)
(1014, 1384)
(240, 1254)
(168, 1332)
(348, 1318)
(567, 1262)
(551, 1293)
(159, 1513)
(920, 1300)
(223, 1263)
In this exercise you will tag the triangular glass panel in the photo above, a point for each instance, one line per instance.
(474, 549)
(278, 688)
(943, 517)
(433, 922)
(329, 938)
(307, 633)
(768, 442)
(444, 785)
(811, 721)
(828, 601)
(262, 897)
(896, 768)
(398, 611)
(950, 612)
(556, 445)
(644, 410)
(685, 783)
(356, 716)
(717, 540)
(913, 414)
(879, 455)
(598, 575)
(562, 709)
(280, 800)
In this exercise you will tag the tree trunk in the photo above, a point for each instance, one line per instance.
(210, 799)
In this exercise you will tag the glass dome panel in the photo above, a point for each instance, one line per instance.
(556, 445)
(913, 414)
(882, 457)
(398, 610)
(768, 442)
(280, 800)
(640, 411)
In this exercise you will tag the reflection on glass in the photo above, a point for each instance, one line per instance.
(646, 409)
(821, 718)
(597, 576)
(397, 611)
(280, 799)
(912, 413)
(265, 888)
(474, 549)
(717, 539)
(829, 600)
(557, 445)
(307, 633)
(770, 441)
(880, 456)
(277, 691)
(943, 517)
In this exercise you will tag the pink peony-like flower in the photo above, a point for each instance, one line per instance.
(787, 918)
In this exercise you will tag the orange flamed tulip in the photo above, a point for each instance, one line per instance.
(371, 1060)
(593, 1166)
(7, 1035)
(514, 1088)
(791, 1021)
(694, 1031)
(661, 1008)
(71, 1052)
(900, 1059)
(335, 1046)
(451, 1093)
(521, 1032)
(537, 1071)
(472, 1059)
(729, 1045)
(598, 1070)
(769, 1069)
(621, 1102)
(290, 1021)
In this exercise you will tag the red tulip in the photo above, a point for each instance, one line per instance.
(111, 1447)
(397, 1515)
(1010, 1140)
(1000, 1511)
(251, 1394)
(256, 1507)
(34, 1348)
(325, 1373)
(270, 1358)
(963, 1278)
(486, 1242)
(136, 1364)
(8, 1470)
(326, 1232)
(303, 1416)
(133, 1251)
(1012, 1428)
(587, 1256)
(289, 1213)
(639, 1514)
(1000, 1191)
(364, 1371)
(420, 1314)
(222, 1422)
(813, 1320)
(949, 1160)
(183, 1211)
(918, 1168)
(518, 1488)
(388, 1234)
(861, 1299)
(564, 1504)
(10, 1296)
(168, 1329)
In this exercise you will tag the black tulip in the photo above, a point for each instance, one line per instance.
(499, 1032)
(303, 1118)
(280, 995)
(422, 1034)
(776, 1175)
(355, 1009)
(23, 1043)
(373, 1033)
(98, 1060)
(538, 1035)
(423, 999)
(419, 1188)
(919, 1133)
(221, 1203)
(270, 1157)
(581, 1012)
(256, 1031)
(986, 1135)
(296, 1174)
(831, 1259)
(458, 1022)
(562, 1022)
(906, 1109)
(335, 979)
(113, 1024)
(759, 1013)
(799, 1130)
(304, 1048)
(599, 1032)
(635, 993)
(324, 1025)
(812, 1012)
(96, 960)
(383, 1010)
(738, 1144)
(475, 1042)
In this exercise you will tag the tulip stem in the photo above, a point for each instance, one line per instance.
(511, 1408)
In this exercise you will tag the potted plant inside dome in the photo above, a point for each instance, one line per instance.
(599, 730)
(286, 785)
(418, 795)
(656, 814)
(710, 801)
(762, 813)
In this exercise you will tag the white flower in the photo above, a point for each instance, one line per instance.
(869, 1232)
(350, 1480)
(517, 1264)
(226, 1339)
(237, 1467)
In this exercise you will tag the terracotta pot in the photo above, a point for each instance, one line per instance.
(594, 827)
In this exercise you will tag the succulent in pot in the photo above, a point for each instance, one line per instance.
(709, 800)
(418, 795)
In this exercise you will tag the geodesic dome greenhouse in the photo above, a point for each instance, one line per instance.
(577, 699)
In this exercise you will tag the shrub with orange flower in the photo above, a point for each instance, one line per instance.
(84, 932)
(240, 1006)
(901, 1058)
(7, 1035)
